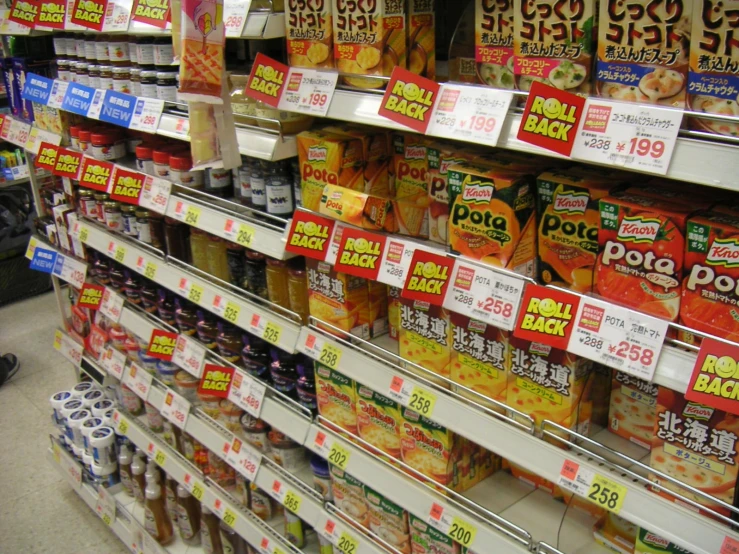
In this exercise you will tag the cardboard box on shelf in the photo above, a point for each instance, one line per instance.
(336, 398)
(388, 520)
(632, 414)
(425, 338)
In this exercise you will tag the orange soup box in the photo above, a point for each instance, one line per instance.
(379, 420)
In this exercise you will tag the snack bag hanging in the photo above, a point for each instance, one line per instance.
(203, 43)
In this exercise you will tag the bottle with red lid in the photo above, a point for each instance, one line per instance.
(182, 173)
(145, 158)
(107, 145)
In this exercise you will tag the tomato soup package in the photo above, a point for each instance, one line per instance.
(492, 216)
(568, 212)
(697, 445)
(203, 44)
(643, 50)
(709, 292)
(642, 248)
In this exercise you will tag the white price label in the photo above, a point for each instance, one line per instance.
(575, 478)
(68, 348)
(117, 15)
(146, 115)
(311, 345)
(114, 362)
(96, 106)
(67, 186)
(58, 90)
(18, 133)
(439, 518)
(176, 409)
(483, 294)
(242, 457)
(194, 486)
(138, 380)
(308, 91)
(70, 270)
(218, 507)
(112, 304)
(64, 244)
(8, 27)
(335, 243)
(71, 468)
(235, 13)
(396, 260)
(37, 136)
(155, 194)
(469, 113)
(631, 136)
(238, 392)
(189, 355)
(105, 507)
(618, 337)
(146, 268)
(255, 400)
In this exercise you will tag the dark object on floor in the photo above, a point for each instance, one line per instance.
(19, 281)
(9, 366)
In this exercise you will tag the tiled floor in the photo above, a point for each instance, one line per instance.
(39, 511)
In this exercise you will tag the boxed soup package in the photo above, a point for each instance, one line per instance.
(426, 539)
(643, 50)
(632, 414)
(553, 44)
(494, 44)
(425, 337)
(378, 420)
(310, 34)
(651, 543)
(422, 38)
(410, 192)
(388, 520)
(349, 496)
(615, 533)
(336, 398)
(440, 158)
(696, 445)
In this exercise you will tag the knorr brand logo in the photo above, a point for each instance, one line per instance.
(267, 80)
(571, 202)
(415, 152)
(540, 349)
(361, 252)
(655, 540)
(544, 315)
(724, 252)
(428, 277)
(317, 153)
(478, 193)
(311, 235)
(699, 411)
(477, 326)
(410, 100)
(638, 229)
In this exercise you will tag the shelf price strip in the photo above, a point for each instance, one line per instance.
(454, 527)
(176, 409)
(268, 330)
(321, 350)
(189, 355)
(344, 541)
(241, 233)
(287, 497)
(247, 393)
(412, 396)
(194, 487)
(332, 450)
(243, 458)
(600, 490)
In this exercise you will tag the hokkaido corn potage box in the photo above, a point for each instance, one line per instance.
(369, 39)
(379, 420)
(697, 445)
(493, 217)
(336, 398)
(424, 337)
(643, 50)
(709, 288)
(553, 44)
(422, 38)
(480, 359)
(642, 247)
(568, 212)
(328, 159)
(633, 408)
(494, 43)
(310, 34)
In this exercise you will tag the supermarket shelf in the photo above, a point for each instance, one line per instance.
(264, 25)
(720, 172)
(696, 533)
(171, 277)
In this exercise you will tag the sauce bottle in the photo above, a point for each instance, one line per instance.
(156, 520)
(125, 459)
(171, 499)
(231, 541)
(210, 534)
(188, 517)
(138, 470)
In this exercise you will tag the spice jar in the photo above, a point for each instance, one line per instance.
(218, 182)
(277, 283)
(254, 431)
(106, 77)
(87, 202)
(199, 248)
(243, 182)
(297, 182)
(167, 86)
(231, 416)
(148, 83)
(163, 52)
(182, 173)
(145, 159)
(142, 226)
(100, 200)
(82, 72)
(175, 235)
(255, 276)
(122, 79)
(161, 162)
(285, 452)
(258, 182)
(136, 81)
(107, 146)
(217, 258)
(118, 50)
(145, 51)
(186, 386)
(94, 73)
(321, 477)
(129, 221)
(279, 191)
(63, 70)
(101, 49)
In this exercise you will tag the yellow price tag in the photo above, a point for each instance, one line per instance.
(160, 458)
(272, 333)
(192, 215)
(57, 454)
(292, 501)
(106, 519)
(607, 494)
(196, 293)
(84, 234)
(150, 271)
(31, 138)
(32, 244)
(57, 340)
(198, 491)
(229, 518)
(120, 254)
(232, 311)
(339, 456)
(347, 543)
(462, 531)
(422, 401)
(245, 235)
(330, 356)
(123, 427)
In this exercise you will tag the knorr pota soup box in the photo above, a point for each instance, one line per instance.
(553, 44)
(696, 445)
(440, 158)
(493, 217)
(363, 210)
(480, 359)
(651, 543)
(310, 34)
(411, 169)
(568, 212)
(494, 43)
(643, 50)
(424, 337)
(379, 420)
(632, 413)
(642, 247)
(336, 398)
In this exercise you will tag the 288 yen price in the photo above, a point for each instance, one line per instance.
(234, 21)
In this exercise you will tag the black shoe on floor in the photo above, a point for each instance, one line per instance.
(9, 366)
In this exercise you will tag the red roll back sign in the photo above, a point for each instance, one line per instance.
(409, 99)
(715, 379)
(310, 235)
(546, 316)
(428, 277)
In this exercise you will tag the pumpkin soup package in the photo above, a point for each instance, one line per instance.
(310, 34)
(696, 445)
(643, 51)
(336, 398)
(494, 44)
(633, 408)
(553, 43)
(202, 58)
(492, 216)
(568, 212)
(424, 338)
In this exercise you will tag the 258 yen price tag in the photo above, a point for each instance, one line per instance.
(412, 396)
(597, 488)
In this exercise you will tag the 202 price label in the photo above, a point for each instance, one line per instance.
(339, 456)
(347, 544)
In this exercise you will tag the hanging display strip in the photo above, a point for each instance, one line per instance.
(76, 15)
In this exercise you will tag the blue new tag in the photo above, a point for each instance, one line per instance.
(78, 98)
(58, 265)
(43, 260)
(117, 108)
(37, 88)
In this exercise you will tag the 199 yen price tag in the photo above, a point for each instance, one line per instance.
(308, 91)
(484, 294)
(627, 135)
(472, 114)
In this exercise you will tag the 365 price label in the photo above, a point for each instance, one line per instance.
(287, 497)
(412, 396)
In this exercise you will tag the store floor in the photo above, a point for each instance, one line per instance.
(39, 511)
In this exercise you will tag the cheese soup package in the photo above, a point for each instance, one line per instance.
(310, 34)
(336, 398)
(633, 408)
(203, 45)
(422, 38)
(696, 445)
(388, 520)
(378, 421)
(494, 44)
(357, 208)
(553, 44)
(425, 338)
(643, 51)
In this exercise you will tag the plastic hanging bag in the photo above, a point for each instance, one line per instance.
(202, 48)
